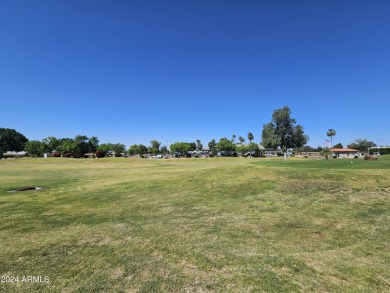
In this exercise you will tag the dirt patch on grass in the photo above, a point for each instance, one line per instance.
(24, 188)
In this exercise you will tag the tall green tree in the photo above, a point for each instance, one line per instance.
(300, 139)
(133, 150)
(164, 150)
(154, 147)
(80, 144)
(193, 146)
(143, 149)
(83, 144)
(254, 149)
(34, 148)
(362, 144)
(283, 131)
(93, 143)
(50, 143)
(117, 148)
(105, 147)
(241, 139)
(241, 149)
(225, 145)
(338, 146)
(331, 132)
(180, 147)
(66, 145)
(212, 144)
(11, 140)
(136, 149)
(306, 149)
(270, 139)
(250, 137)
(233, 137)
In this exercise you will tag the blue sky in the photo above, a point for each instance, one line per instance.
(133, 71)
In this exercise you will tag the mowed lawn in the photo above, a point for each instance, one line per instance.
(196, 225)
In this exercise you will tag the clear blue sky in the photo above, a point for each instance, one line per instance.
(133, 71)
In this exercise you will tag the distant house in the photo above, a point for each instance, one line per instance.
(206, 149)
(14, 154)
(239, 144)
(345, 153)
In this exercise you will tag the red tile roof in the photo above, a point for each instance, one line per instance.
(344, 150)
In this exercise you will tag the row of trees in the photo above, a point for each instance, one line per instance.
(224, 145)
(282, 132)
(154, 148)
(250, 137)
(79, 145)
(11, 140)
(360, 144)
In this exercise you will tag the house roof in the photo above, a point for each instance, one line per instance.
(345, 150)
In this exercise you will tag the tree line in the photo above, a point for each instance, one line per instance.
(282, 132)
(81, 145)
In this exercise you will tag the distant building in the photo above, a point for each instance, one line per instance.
(14, 154)
(206, 149)
(379, 150)
(345, 153)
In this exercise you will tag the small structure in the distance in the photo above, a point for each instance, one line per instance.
(379, 150)
(345, 153)
(13, 154)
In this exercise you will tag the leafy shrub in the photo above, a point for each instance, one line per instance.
(382, 151)
(69, 155)
(385, 151)
(100, 154)
(56, 155)
(369, 157)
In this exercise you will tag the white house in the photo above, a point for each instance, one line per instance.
(345, 153)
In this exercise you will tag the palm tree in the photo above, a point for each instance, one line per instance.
(250, 137)
(233, 137)
(197, 144)
(331, 132)
(212, 144)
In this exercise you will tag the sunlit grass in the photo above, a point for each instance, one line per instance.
(223, 224)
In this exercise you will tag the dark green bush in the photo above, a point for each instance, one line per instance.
(382, 151)
(100, 154)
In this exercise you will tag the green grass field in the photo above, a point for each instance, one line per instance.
(196, 225)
